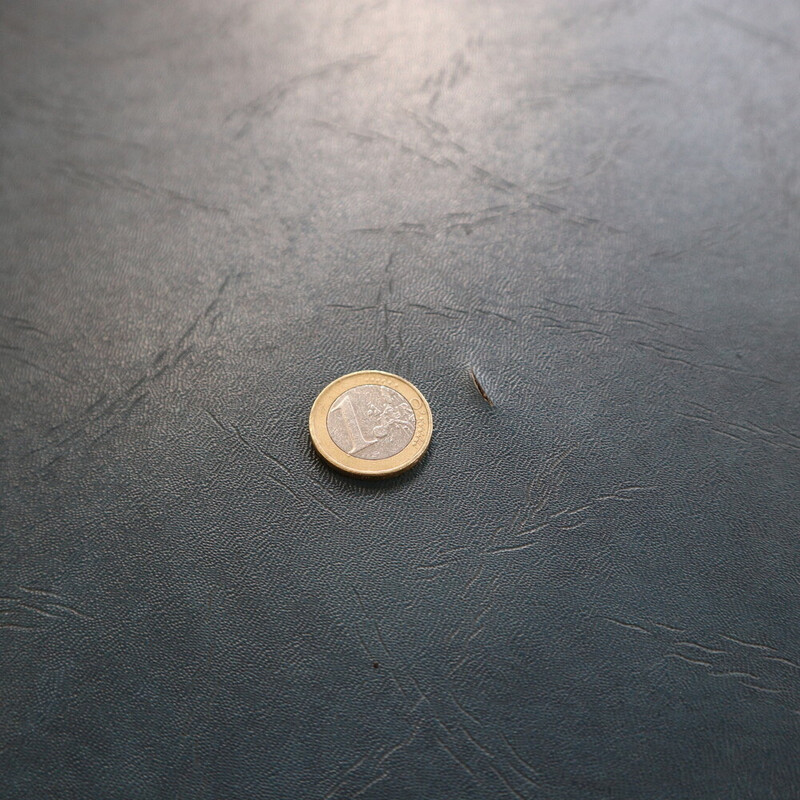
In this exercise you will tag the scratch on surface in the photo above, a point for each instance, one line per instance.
(216, 421)
(374, 624)
(363, 646)
(373, 761)
(447, 77)
(777, 438)
(475, 634)
(754, 645)
(272, 460)
(729, 435)
(514, 548)
(62, 606)
(522, 775)
(94, 178)
(736, 664)
(72, 611)
(464, 710)
(47, 607)
(389, 656)
(350, 307)
(696, 661)
(621, 494)
(407, 741)
(705, 649)
(40, 592)
(487, 606)
(629, 625)
(38, 367)
(760, 688)
(267, 104)
(734, 674)
(37, 610)
(787, 432)
(785, 661)
(106, 413)
(372, 783)
(506, 782)
(458, 666)
(472, 580)
(523, 202)
(750, 29)
(485, 750)
(24, 324)
(692, 417)
(669, 627)
(529, 531)
(455, 758)
(255, 448)
(520, 758)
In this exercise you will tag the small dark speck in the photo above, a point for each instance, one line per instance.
(738, 355)
(375, 665)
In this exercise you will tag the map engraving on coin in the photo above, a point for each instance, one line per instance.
(371, 422)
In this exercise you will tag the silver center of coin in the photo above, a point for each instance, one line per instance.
(371, 422)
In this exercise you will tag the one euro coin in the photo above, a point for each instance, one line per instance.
(372, 424)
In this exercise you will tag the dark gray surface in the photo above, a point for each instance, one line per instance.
(211, 209)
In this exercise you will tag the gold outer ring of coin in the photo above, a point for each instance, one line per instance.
(366, 468)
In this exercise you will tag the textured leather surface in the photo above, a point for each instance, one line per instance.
(212, 208)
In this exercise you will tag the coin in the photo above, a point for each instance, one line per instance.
(371, 423)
